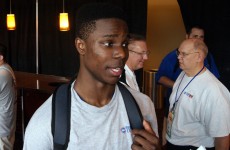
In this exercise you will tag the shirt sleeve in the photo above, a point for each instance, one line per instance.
(4, 79)
(147, 108)
(216, 114)
(38, 134)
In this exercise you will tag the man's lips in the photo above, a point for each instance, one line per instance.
(116, 71)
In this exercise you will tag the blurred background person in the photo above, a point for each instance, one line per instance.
(138, 54)
(199, 104)
(169, 70)
(8, 106)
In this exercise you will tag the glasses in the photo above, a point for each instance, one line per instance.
(141, 53)
(183, 54)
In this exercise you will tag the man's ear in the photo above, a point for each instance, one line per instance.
(186, 36)
(80, 46)
(1, 57)
(200, 56)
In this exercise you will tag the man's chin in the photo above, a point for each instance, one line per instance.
(180, 65)
(113, 81)
(140, 67)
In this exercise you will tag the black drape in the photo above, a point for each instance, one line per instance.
(21, 42)
(57, 53)
(214, 16)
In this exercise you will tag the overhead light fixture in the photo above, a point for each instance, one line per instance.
(10, 20)
(63, 20)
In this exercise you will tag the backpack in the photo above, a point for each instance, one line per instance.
(61, 105)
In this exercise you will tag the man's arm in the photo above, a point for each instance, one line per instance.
(222, 143)
(145, 139)
(166, 81)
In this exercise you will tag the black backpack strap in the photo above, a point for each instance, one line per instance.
(123, 77)
(61, 103)
(132, 108)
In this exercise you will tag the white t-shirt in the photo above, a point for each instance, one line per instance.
(202, 111)
(95, 128)
(7, 101)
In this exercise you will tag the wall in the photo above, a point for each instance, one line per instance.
(165, 30)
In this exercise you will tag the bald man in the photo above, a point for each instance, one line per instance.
(199, 104)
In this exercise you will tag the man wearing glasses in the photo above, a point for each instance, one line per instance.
(169, 70)
(199, 104)
(138, 53)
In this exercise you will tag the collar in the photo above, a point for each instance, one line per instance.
(129, 71)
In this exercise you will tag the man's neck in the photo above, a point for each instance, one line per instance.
(1, 63)
(192, 73)
(96, 94)
(129, 66)
(128, 69)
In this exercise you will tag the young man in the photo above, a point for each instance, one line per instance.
(7, 103)
(98, 115)
(169, 70)
(199, 104)
(138, 53)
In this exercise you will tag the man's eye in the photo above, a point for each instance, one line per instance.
(183, 54)
(125, 44)
(108, 44)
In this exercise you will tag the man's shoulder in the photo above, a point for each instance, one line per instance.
(139, 96)
(171, 54)
(210, 83)
(170, 58)
(38, 131)
(43, 113)
(4, 70)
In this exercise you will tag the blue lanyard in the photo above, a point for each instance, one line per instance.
(177, 99)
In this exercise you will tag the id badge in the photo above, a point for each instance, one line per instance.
(169, 123)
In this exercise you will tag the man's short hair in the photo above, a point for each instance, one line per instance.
(90, 12)
(3, 50)
(198, 26)
(136, 37)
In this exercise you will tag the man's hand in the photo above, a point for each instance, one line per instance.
(145, 139)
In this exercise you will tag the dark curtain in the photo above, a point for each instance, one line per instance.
(21, 42)
(214, 16)
(57, 53)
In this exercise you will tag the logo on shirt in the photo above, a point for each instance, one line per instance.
(126, 129)
(188, 94)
